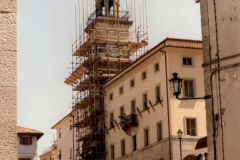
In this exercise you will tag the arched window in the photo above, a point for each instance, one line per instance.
(110, 5)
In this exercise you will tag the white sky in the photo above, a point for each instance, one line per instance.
(45, 28)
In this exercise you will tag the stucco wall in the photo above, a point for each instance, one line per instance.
(65, 143)
(179, 110)
(46, 156)
(220, 32)
(28, 151)
(8, 79)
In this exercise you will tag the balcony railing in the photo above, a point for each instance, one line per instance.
(129, 121)
(96, 13)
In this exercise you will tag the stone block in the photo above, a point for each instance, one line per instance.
(8, 68)
(8, 103)
(8, 123)
(8, 31)
(8, 5)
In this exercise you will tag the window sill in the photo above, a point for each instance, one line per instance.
(121, 94)
(132, 87)
(26, 144)
(155, 72)
(143, 80)
(188, 66)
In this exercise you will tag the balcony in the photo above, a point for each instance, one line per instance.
(96, 13)
(127, 122)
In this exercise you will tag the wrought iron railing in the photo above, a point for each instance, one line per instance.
(99, 12)
(128, 121)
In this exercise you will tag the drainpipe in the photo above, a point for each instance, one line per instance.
(205, 64)
(219, 85)
(169, 134)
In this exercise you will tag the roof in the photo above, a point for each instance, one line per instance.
(181, 39)
(46, 153)
(161, 45)
(53, 127)
(24, 130)
(27, 130)
(202, 143)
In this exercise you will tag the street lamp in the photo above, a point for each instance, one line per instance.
(180, 138)
(176, 86)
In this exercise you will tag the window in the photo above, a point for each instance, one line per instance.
(121, 111)
(26, 140)
(159, 131)
(156, 67)
(112, 152)
(187, 61)
(59, 132)
(146, 137)
(70, 153)
(132, 84)
(145, 100)
(121, 90)
(191, 126)
(111, 120)
(123, 147)
(133, 106)
(60, 155)
(157, 93)
(188, 88)
(110, 96)
(134, 142)
(70, 124)
(144, 75)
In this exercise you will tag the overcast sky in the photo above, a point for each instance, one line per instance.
(45, 29)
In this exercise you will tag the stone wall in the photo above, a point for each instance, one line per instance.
(220, 32)
(206, 58)
(8, 79)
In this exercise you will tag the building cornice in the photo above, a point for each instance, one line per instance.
(150, 53)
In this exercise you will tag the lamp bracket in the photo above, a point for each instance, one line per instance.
(205, 97)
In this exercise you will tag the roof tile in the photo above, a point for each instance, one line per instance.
(27, 130)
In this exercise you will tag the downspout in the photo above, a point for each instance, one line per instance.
(205, 64)
(219, 86)
(169, 134)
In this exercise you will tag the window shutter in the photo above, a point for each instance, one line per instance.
(21, 142)
(30, 140)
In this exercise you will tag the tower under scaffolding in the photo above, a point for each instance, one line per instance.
(108, 44)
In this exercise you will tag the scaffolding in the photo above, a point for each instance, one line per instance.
(108, 45)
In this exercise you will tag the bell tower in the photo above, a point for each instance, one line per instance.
(106, 47)
(108, 6)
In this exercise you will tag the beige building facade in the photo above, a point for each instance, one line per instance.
(8, 79)
(220, 32)
(47, 155)
(141, 93)
(64, 147)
